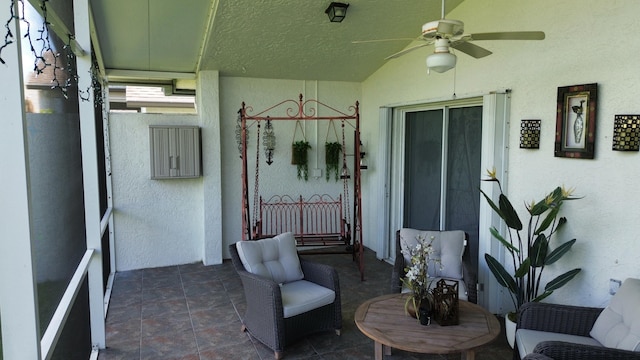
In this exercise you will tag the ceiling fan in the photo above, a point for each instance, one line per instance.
(449, 33)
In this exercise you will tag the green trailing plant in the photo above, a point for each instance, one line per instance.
(530, 249)
(300, 159)
(332, 152)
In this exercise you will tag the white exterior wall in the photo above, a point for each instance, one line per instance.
(586, 42)
(157, 222)
(161, 222)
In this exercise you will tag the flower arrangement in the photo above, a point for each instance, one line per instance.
(417, 277)
(530, 249)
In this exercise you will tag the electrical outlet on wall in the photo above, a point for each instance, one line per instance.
(614, 285)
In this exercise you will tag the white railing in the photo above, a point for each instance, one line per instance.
(51, 335)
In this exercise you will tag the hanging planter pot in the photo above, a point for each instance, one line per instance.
(299, 151)
(332, 152)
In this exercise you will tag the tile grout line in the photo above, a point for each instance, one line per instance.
(193, 330)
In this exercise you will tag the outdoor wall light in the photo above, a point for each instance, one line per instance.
(337, 11)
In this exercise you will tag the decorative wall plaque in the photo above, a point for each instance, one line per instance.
(530, 134)
(626, 133)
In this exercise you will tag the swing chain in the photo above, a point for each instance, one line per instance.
(345, 178)
(256, 184)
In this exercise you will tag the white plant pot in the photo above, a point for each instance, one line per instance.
(510, 330)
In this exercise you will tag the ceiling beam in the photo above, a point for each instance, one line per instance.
(116, 75)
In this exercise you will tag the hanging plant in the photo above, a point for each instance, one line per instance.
(299, 150)
(332, 152)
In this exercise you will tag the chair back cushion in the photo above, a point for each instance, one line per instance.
(618, 325)
(274, 258)
(448, 247)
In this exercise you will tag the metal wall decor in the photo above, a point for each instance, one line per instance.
(530, 134)
(626, 133)
(576, 121)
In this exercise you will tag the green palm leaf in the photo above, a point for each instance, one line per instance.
(492, 204)
(539, 250)
(502, 240)
(541, 297)
(561, 280)
(548, 220)
(524, 268)
(558, 252)
(509, 214)
(501, 275)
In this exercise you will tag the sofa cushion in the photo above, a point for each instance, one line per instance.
(275, 258)
(448, 246)
(527, 339)
(618, 325)
(301, 296)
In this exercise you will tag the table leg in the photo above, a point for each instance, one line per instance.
(378, 350)
(468, 355)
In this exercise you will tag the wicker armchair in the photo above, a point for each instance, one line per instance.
(399, 265)
(264, 318)
(565, 319)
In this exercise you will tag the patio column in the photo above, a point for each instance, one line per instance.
(18, 301)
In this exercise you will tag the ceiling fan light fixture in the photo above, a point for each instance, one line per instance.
(441, 62)
(337, 11)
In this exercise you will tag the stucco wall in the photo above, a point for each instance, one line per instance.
(156, 222)
(586, 42)
(160, 223)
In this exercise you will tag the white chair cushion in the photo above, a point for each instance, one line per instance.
(462, 288)
(274, 258)
(448, 246)
(527, 339)
(301, 296)
(618, 326)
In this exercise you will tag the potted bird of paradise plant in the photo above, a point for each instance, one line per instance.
(530, 249)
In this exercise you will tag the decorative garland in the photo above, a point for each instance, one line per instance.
(40, 62)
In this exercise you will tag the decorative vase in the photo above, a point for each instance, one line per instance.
(510, 330)
(424, 310)
(424, 316)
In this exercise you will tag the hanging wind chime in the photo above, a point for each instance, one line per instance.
(269, 141)
(239, 132)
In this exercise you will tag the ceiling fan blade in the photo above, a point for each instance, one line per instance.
(381, 40)
(470, 49)
(400, 53)
(507, 35)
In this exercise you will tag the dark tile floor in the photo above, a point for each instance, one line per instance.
(193, 312)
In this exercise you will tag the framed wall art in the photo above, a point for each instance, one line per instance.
(576, 121)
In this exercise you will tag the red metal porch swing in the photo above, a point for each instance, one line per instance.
(320, 220)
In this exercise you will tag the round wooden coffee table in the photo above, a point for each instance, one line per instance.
(384, 321)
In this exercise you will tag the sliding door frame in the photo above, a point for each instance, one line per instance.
(495, 125)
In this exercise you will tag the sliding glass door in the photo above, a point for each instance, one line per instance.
(442, 170)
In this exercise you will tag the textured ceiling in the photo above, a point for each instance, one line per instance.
(283, 39)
